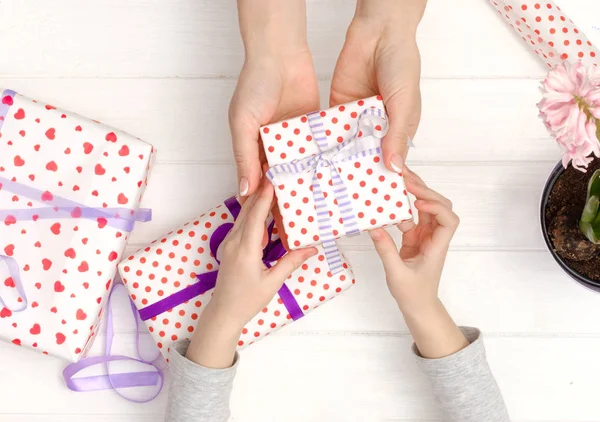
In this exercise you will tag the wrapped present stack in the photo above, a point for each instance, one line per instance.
(547, 31)
(70, 190)
(171, 280)
(329, 175)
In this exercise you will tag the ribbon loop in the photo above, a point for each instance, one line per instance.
(149, 378)
(273, 251)
(372, 124)
(15, 280)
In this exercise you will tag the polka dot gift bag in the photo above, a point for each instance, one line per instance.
(329, 175)
(171, 280)
(70, 190)
(548, 31)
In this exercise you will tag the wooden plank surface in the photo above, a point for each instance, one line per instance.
(192, 38)
(499, 207)
(340, 378)
(164, 70)
(186, 119)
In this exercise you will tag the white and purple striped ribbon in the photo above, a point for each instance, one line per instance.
(349, 150)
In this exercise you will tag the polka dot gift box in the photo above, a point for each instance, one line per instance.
(329, 175)
(171, 280)
(70, 189)
(547, 31)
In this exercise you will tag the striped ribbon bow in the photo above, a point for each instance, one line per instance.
(365, 142)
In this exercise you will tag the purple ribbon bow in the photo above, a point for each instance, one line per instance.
(207, 281)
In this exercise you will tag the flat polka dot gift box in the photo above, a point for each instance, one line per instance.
(70, 189)
(329, 175)
(171, 280)
(548, 31)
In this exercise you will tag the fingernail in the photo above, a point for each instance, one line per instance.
(243, 186)
(397, 163)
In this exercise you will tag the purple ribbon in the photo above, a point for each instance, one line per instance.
(6, 100)
(14, 273)
(152, 378)
(207, 281)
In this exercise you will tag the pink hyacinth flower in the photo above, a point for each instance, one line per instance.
(570, 109)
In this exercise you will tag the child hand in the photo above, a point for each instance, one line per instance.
(244, 284)
(413, 274)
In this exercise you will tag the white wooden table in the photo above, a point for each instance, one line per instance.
(165, 70)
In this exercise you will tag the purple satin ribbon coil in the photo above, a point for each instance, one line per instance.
(207, 281)
(153, 378)
(349, 150)
(15, 275)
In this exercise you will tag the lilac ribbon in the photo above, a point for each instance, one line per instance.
(207, 281)
(154, 378)
(119, 218)
(14, 273)
(6, 100)
(349, 150)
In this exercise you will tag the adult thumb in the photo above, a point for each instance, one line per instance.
(246, 147)
(404, 112)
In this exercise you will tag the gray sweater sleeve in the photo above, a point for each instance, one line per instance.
(463, 383)
(198, 394)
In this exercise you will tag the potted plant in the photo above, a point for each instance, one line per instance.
(569, 212)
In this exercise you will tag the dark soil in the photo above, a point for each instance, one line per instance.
(563, 210)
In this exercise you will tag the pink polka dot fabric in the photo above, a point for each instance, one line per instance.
(66, 264)
(547, 31)
(171, 263)
(378, 197)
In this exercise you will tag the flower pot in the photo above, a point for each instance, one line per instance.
(583, 280)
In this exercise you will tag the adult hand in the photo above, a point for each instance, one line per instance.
(277, 80)
(244, 284)
(413, 274)
(381, 56)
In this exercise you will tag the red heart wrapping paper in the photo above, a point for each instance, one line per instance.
(67, 264)
(170, 264)
(378, 196)
(548, 31)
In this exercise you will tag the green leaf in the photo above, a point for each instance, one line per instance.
(590, 211)
(594, 185)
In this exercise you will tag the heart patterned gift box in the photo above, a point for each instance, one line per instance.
(548, 31)
(329, 175)
(171, 280)
(70, 189)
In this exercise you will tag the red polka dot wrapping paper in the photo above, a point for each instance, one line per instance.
(171, 263)
(66, 265)
(548, 31)
(378, 196)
